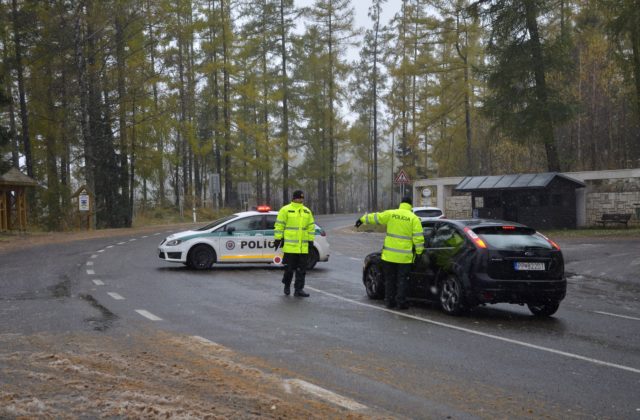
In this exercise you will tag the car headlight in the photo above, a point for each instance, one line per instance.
(174, 242)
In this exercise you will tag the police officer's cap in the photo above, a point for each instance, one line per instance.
(298, 194)
(407, 199)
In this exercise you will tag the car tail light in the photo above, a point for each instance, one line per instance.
(553, 244)
(475, 238)
(508, 227)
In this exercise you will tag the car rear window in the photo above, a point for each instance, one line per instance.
(511, 237)
(428, 213)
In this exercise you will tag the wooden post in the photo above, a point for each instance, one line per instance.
(21, 207)
(4, 211)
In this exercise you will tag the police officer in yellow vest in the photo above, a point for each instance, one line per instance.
(295, 230)
(404, 237)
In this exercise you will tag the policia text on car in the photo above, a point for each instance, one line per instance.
(404, 237)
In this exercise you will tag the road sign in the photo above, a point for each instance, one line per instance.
(83, 201)
(402, 178)
(215, 183)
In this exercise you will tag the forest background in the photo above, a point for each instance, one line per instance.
(145, 101)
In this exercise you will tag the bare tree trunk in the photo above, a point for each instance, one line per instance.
(122, 115)
(228, 181)
(546, 129)
(24, 115)
(285, 108)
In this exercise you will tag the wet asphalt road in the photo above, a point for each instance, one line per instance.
(498, 361)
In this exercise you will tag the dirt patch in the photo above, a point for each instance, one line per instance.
(146, 375)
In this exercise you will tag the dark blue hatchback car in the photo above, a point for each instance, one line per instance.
(475, 262)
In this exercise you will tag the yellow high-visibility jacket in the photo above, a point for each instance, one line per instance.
(296, 227)
(404, 233)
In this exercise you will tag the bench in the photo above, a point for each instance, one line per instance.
(614, 218)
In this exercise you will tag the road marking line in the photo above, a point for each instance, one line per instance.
(91, 272)
(94, 256)
(89, 263)
(287, 387)
(487, 335)
(619, 316)
(145, 236)
(110, 246)
(121, 243)
(102, 250)
(132, 239)
(115, 295)
(206, 340)
(148, 315)
(98, 282)
(326, 395)
(356, 259)
(156, 234)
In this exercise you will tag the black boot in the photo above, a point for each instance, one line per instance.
(287, 289)
(300, 293)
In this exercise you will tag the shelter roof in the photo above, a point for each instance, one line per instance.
(515, 181)
(13, 177)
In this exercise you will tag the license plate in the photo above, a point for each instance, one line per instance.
(528, 266)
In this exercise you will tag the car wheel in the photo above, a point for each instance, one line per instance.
(544, 309)
(452, 295)
(374, 281)
(201, 257)
(312, 258)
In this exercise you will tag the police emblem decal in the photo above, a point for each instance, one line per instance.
(230, 245)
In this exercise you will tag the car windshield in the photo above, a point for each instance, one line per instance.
(512, 238)
(428, 213)
(217, 222)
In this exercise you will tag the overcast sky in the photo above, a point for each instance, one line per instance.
(361, 7)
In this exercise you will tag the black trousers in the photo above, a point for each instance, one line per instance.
(295, 263)
(396, 278)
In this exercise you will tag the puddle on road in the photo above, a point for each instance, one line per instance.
(62, 289)
(106, 318)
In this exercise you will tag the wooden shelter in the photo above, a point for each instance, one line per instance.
(541, 200)
(13, 199)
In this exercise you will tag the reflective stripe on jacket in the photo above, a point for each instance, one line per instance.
(404, 233)
(296, 227)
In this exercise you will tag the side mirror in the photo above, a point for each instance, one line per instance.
(230, 230)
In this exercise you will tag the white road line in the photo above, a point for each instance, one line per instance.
(89, 263)
(110, 246)
(94, 256)
(288, 384)
(148, 315)
(102, 250)
(132, 239)
(115, 295)
(482, 334)
(205, 340)
(287, 387)
(325, 394)
(98, 282)
(121, 243)
(145, 236)
(91, 272)
(619, 316)
(356, 259)
(156, 234)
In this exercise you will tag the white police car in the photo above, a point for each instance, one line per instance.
(245, 237)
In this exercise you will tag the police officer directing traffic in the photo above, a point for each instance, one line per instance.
(404, 236)
(295, 230)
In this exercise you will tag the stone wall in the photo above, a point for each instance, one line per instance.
(458, 207)
(612, 202)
